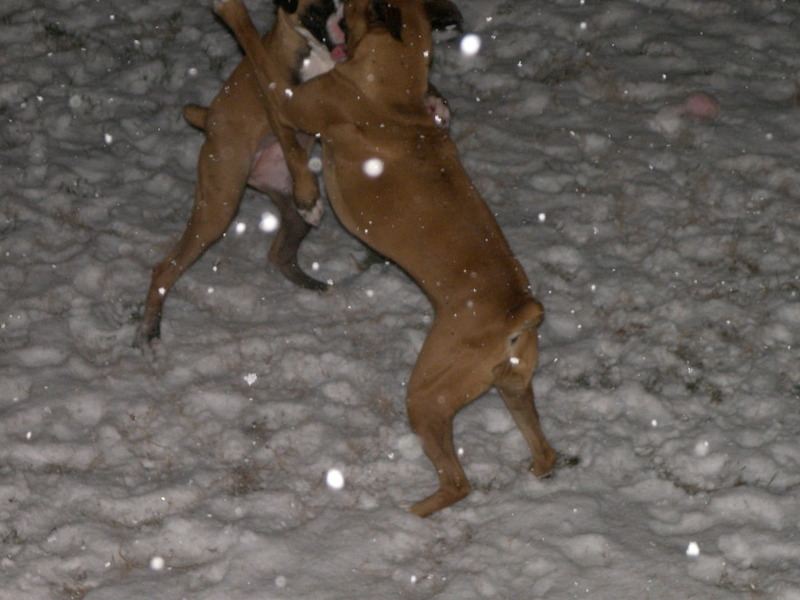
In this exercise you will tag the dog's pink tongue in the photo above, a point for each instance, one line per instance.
(339, 53)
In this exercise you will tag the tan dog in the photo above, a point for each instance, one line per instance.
(395, 181)
(241, 149)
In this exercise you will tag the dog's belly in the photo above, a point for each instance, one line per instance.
(268, 169)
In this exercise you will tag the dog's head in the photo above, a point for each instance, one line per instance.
(396, 16)
(322, 19)
(390, 44)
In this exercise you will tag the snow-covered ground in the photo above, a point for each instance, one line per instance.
(665, 249)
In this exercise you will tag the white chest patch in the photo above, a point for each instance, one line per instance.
(318, 61)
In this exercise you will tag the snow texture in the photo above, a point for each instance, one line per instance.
(664, 246)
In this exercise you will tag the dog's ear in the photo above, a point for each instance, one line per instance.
(444, 14)
(290, 6)
(389, 16)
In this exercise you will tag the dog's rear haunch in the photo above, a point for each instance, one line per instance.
(421, 211)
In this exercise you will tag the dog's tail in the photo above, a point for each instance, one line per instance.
(195, 115)
(528, 314)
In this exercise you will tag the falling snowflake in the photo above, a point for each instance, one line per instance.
(335, 479)
(373, 167)
(315, 164)
(470, 44)
(157, 563)
(268, 222)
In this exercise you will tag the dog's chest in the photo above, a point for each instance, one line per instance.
(319, 59)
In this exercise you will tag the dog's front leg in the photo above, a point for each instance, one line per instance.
(304, 181)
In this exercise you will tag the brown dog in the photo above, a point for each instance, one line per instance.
(241, 149)
(395, 181)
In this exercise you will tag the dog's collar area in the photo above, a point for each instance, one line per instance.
(323, 21)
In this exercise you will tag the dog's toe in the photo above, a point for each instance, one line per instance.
(313, 216)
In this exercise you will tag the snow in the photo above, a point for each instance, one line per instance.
(264, 451)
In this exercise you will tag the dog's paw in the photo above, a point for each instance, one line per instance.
(313, 215)
(149, 347)
(305, 188)
(145, 334)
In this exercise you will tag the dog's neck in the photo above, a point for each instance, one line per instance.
(390, 71)
(319, 59)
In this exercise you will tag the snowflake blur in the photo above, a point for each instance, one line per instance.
(470, 44)
(335, 479)
(373, 167)
(268, 222)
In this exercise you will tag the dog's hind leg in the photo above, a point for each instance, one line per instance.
(283, 252)
(432, 420)
(521, 405)
(293, 228)
(444, 380)
(512, 378)
(222, 177)
(458, 363)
